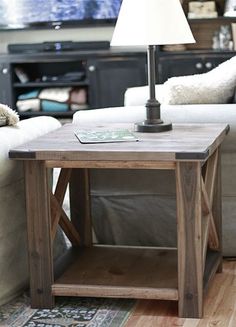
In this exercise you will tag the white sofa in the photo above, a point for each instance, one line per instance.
(13, 237)
(138, 207)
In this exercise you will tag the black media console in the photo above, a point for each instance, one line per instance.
(93, 78)
(56, 83)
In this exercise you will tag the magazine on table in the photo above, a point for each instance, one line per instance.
(105, 136)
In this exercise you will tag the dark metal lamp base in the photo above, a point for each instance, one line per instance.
(145, 127)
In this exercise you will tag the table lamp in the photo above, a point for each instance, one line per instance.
(150, 23)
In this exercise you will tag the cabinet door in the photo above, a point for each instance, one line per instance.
(211, 62)
(169, 67)
(110, 77)
(6, 85)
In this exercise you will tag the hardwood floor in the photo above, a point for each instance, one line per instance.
(219, 306)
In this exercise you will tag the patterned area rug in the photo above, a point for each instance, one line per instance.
(68, 312)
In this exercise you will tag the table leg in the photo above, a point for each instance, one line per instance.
(39, 234)
(189, 230)
(80, 204)
(217, 207)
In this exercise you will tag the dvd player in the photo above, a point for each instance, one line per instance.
(57, 46)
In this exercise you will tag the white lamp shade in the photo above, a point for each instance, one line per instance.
(151, 22)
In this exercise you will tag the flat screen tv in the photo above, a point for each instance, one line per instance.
(33, 14)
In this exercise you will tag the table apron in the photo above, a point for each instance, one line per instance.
(168, 165)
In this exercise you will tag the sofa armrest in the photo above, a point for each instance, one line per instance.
(127, 114)
(12, 136)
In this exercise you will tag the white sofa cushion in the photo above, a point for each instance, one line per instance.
(138, 95)
(214, 87)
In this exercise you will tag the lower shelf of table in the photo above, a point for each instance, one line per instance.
(125, 272)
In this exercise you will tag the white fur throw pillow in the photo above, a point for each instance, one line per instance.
(215, 86)
(11, 116)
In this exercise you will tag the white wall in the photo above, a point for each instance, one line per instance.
(66, 34)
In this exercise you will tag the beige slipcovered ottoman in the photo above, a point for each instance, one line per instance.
(13, 236)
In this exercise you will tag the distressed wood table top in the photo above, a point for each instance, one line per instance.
(184, 142)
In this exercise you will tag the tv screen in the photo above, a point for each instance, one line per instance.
(20, 14)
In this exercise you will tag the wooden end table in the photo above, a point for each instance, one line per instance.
(180, 274)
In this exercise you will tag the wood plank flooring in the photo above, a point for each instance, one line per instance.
(219, 306)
